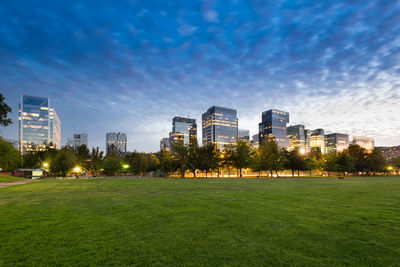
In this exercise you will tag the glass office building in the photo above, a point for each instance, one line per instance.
(183, 130)
(307, 141)
(116, 143)
(317, 141)
(273, 127)
(38, 125)
(77, 140)
(297, 139)
(164, 144)
(220, 126)
(336, 142)
(244, 135)
(364, 142)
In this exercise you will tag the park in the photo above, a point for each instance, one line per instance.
(158, 221)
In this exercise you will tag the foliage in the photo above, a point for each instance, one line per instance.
(168, 163)
(10, 158)
(63, 162)
(295, 161)
(83, 156)
(141, 163)
(96, 161)
(111, 164)
(4, 110)
(209, 156)
(181, 153)
(241, 156)
(376, 161)
(271, 157)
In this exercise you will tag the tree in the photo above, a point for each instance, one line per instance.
(331, 164)
(228, 157)
(359, 154)
(10, 158)
(376, 161)
(194, 157)
(273, 159)
(83, 156)
(4, 110)
(167, 162)
(345, 162)
(181, 152)
(96, 160)
(242, 156)
(295, 161)
(111, 164)
(63, 162)
(315, 161)
(209, 157)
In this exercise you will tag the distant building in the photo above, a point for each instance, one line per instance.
(336, 142)
(164, 144)
(38, 125)
(389, 152)
(220, 126)
(273, 127)
(365, 142)
(116, 143)
(307, 141)
(77, 140)
(183, 131)
(255, 141)
(317, 140)
(244, 135)
(297, 139)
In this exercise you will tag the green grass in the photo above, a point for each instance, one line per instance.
(312, 221)
(8, 179)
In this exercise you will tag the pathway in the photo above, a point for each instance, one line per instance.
(3, 185)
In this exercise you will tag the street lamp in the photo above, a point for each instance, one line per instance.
(125, 166)
(77, 169)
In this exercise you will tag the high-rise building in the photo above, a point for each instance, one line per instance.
(297, 139)
(307, 141)
(220, 126)
(317, 140)
(77, 140)
(165, 144)
(116, 143)
(273, 127)
(336, 142)
(365, 142)
(389, 152)
(183, 131)
(255, 141)
(244, 135)
(38, 125)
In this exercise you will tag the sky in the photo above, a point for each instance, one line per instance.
(131, 66)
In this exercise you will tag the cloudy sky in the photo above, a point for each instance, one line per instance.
(131, 66)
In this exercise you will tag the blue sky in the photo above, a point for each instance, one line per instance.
(131, 66)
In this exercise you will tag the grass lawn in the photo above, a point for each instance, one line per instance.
(302, 221)
(7, 178)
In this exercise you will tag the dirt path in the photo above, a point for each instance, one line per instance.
(3, 185)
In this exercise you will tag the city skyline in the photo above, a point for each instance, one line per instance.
(127, 66)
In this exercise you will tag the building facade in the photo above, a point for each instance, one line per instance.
(336, 142)
(164, 144)
(77, 140)
(183, 131)
(307, 141)
(244, 135)
(220, 126)
(116, 143)
(390, 152)
(365, 142)
(297, 139)
(38, 125)
(273, 127)
(317, 140)
(255, 141)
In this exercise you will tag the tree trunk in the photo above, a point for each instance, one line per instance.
(292, 173)
(206, 174)
(298, 173)
(271, 174)
(240, 171)
(194, 174)
(277, 174)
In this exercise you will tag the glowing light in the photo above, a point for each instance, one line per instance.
(390, 168)
(125, 166)
(45, 164)
(77, 169)
(302, 151)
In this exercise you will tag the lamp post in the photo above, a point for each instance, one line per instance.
(77, 169)
(45, 167)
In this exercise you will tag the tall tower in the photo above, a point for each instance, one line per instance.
(273, 127)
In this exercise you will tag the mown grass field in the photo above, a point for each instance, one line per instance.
(8, 179)
(302, 221)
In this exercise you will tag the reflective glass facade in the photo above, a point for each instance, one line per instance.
(273, 127)
(336, 142)
(38, 125)
(164, 144)
(307, 141)
(78, 140)
(365, 142)
(297, 139)
(183, 130)
(317, 141)
(116, 143)
(220, 126)
(244, 135)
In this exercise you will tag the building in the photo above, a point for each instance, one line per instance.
(273, 127)
(317, 140)
(389, 152)
(220, 126)
(116, 143)
(255, 141)
(164, 144)
(77, 140)
(244, 135)
(307, 141)
(336, 142)
(365, 142)
(38, 125)
(297, 139)
(183, 130)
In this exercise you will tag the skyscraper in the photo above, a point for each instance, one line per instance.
(336, 142)
(165, 144)
(183, 130)
(77, 140)
(220, 126)
(244, 135)
(307, 140)
(38, 125)
(297, 139)
(365, 142)
(255, 142)
(116, 143)
(317, 141)
(273, 127)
